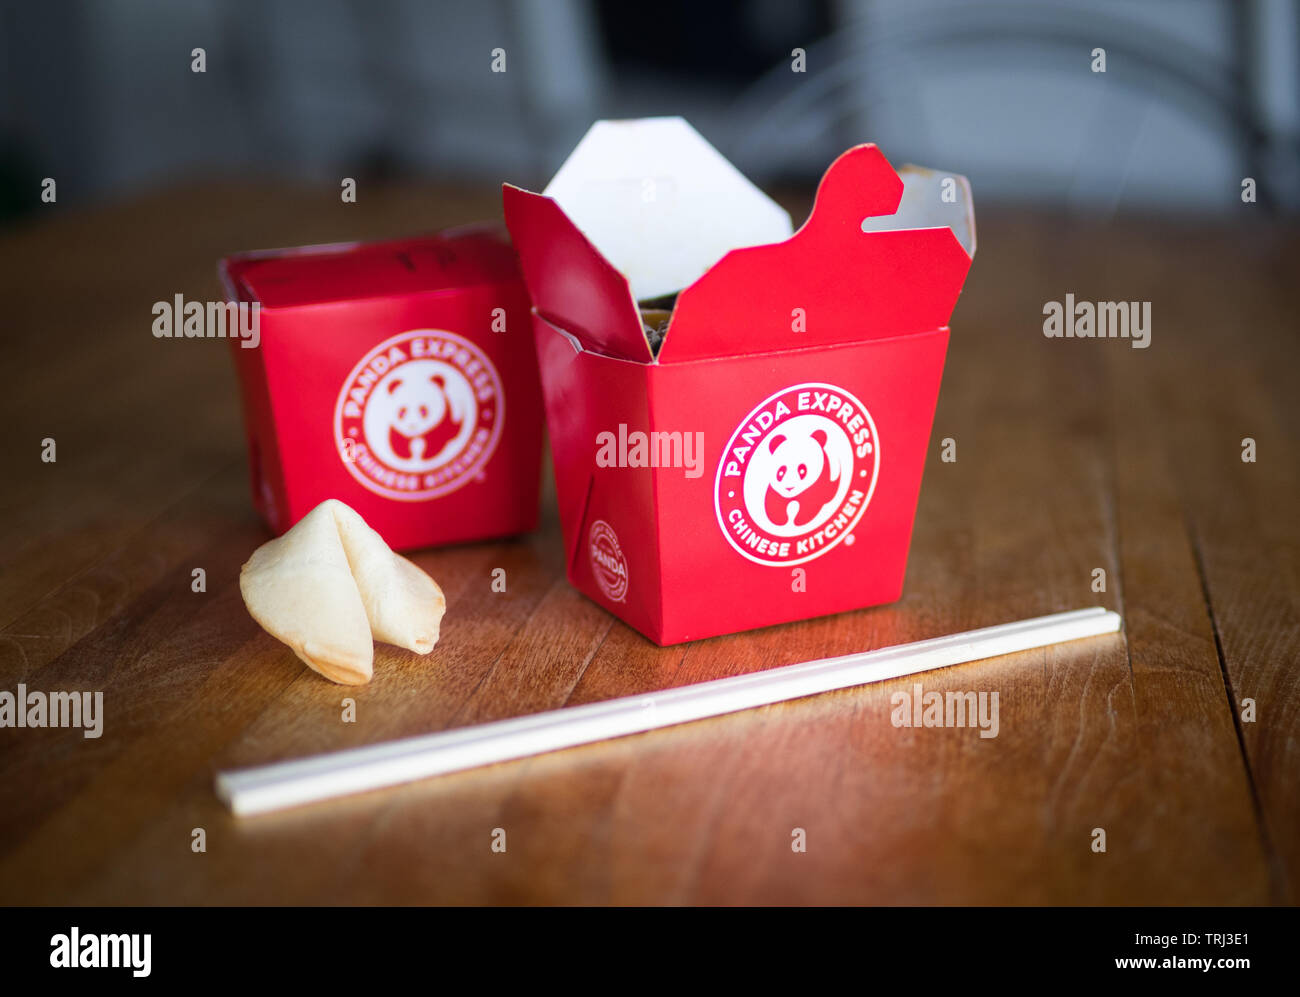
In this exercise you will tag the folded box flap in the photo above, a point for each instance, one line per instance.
(848, 274)
(931, 199)
(660, 203)
(571, 284)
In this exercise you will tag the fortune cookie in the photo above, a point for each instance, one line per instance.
(330, 587)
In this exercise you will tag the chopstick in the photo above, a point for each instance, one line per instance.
(267, 788)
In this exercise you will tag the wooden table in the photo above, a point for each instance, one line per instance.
(1072, 456)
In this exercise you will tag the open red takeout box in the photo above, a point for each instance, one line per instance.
(764, 464)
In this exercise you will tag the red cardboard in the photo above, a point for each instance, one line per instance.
(396, 377)
(810, 370)
(578, 288)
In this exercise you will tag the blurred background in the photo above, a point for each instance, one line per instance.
(1196, 94)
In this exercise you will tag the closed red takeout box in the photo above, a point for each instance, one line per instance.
(399, 377)
(764, 464)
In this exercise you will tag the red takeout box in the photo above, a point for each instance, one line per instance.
(399, 377)
(763, 466)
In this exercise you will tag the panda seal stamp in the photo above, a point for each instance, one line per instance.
(797, 474)
(420, 415)
(607, 561)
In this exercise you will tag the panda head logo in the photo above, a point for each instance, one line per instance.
(420, 415)
(804, 478)
(797, 475)
(425, 417)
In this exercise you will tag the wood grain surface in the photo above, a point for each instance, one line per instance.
(1072, 455)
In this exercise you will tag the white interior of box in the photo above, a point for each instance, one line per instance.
(661, 204)
(931, 199)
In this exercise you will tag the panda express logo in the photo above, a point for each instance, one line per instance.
(420, 415)
(797, 474)
(607, 561)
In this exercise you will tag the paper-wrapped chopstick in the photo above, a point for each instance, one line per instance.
(288, 784)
